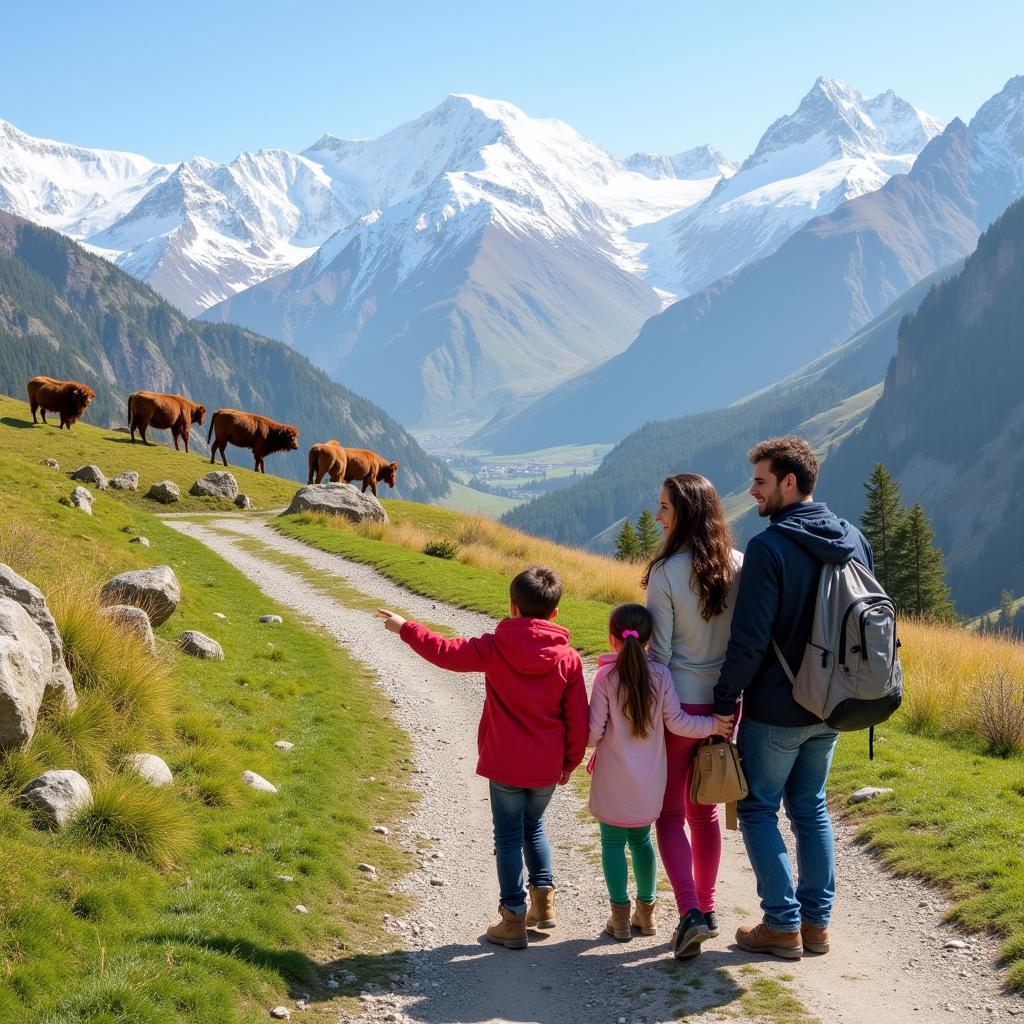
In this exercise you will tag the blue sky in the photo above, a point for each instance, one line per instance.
(216, 77)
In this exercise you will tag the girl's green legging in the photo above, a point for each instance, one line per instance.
(613, 860)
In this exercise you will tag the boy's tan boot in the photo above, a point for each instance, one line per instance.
(542, 907)
(618, 923)
(762, 939)
(510, 931)
(643, 917)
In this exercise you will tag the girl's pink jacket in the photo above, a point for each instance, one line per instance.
(628, 784)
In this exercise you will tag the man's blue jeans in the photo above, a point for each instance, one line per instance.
(788, 766)
(519, 832)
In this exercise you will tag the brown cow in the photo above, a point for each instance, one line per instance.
(327, 459)
(67, 397)
(369, 467)
(248, 430)
(163, 412)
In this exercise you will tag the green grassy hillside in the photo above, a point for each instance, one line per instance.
(168, 905)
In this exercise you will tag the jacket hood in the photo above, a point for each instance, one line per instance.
(532, 646)
(817, 528)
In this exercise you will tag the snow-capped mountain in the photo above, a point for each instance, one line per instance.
(492, 254)
(701, 162)
(837, 145)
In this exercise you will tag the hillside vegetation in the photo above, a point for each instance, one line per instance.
(68, 314)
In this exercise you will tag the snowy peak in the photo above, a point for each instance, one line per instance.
(1003, 115)
(693, 165)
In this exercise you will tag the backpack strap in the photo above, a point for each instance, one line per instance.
(783, 662)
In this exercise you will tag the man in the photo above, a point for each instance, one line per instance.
(787, 751)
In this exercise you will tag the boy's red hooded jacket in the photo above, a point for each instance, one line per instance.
(535, 721)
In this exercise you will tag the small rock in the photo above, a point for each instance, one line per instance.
(301, 908)
(82, 499)
(867, 793)
(125, 482)
(368, 869)
(134, 620)
(217, 484)
(954, 944)
(244, 502)
(219, 615)
(271, 618)
(381, 830)
(437, 881)
(144, 541)
(90, 475)
(302, 1004)
(156, 591)
(281, 1013)
(52, 463)
(283, 745)
(199, 645)
(332, 983)
(164, 491)
(258, 782)
(285, 878)
(57, 797)
(152, 768)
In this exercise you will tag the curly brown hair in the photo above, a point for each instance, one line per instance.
(701, 526)
(787, 455)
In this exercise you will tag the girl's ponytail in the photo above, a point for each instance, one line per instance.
(632, 624)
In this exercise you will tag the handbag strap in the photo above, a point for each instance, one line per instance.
(731, 821)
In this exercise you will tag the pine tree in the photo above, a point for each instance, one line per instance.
(647, 537)
(917, 569)
(881, 520)
(1006, 611)
(627, 547)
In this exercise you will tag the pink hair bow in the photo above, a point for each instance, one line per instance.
(630, 632)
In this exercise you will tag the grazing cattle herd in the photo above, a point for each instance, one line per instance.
(227, 426)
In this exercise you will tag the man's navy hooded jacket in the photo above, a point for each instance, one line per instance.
(778, 588)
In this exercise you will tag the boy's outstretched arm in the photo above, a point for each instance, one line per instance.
(459, 654)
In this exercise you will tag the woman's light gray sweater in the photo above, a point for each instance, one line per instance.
(692, 648)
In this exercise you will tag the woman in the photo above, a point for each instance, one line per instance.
(691, 588)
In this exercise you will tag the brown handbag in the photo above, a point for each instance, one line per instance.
(718, 776)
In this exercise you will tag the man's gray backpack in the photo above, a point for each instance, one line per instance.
(850, 676)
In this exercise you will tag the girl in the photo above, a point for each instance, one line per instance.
(632, 703)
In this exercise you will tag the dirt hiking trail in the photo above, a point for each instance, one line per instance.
(888, 961)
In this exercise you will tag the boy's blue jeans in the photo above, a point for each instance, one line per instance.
(788, 766)
(519, 833)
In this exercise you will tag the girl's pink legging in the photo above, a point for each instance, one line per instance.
(691, 865)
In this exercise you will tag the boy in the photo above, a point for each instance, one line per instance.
(532, 734)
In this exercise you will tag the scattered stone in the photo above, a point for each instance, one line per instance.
(125, 482)
(867, 793)
(955, 944)
(219, 615)
(134, 620)
(368, 869)
(258, 782)
(144, 541)
(165, 491)
(338, 500)
(52, 463)
(156, 591)
(26, 666)
(302, 1004)
(199, 645)
(217, 484)
(333, 983)
(285, 878)
(271, 618)
(281, 1013)
(381, 830)
(82, 499)
(59, 686)
(152, 768)
(57, 797)
(90, 475)
(244, 502)
(301, 909)
(437, 881)
(283, 745)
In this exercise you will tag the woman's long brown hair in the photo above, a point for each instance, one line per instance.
(700, 526)
(636, 694)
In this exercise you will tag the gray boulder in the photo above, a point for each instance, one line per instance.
(26, 666)
(82, 499)
(59, 686)
(166, 492)
(217, 484)
(338, 500)
(52, 463)
(90, 475)
(156, 591)
(271, 619)
(199, 645)
(868, 793)
(144, 541)
(255, 781)
(125, 482)
(57, 797)
(152, 768)
(134, 620)
(244, 502)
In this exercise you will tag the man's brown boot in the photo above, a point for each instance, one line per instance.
(643, 917)
(618, 923)
(542, 907)
(815, 939)
(510, 931)
(762, 939)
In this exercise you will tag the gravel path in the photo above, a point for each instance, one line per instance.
(889, 961)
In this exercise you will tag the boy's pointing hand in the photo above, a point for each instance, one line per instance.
(392, 621)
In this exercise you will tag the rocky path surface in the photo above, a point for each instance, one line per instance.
(893, 959)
